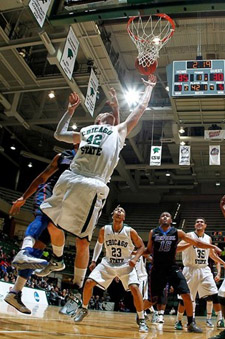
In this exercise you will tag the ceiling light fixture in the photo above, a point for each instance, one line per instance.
(51, 94)
(168, 174)
(30, 164)
(167, 88)
(181, 130)
(218, 183)
(182, 143)
(74, 127)
(132, 97)
(13, 147)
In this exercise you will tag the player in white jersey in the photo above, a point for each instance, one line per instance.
(119, 242)
(197, 271)
(79, 195)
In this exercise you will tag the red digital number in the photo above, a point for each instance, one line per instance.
(183, 77)
(220, 87)
(218, 77)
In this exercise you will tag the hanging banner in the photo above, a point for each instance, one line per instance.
(69, 54)
(214, 155)
(214, 134)
(156, 155)
(39, 10)
(90, 99)
(184, 155)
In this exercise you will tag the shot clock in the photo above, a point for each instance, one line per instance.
(196, 78)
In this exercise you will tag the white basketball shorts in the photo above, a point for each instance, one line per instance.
(76, 203)
(200, 280)
(104, 274)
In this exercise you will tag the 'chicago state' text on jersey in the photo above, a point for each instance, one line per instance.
(194, 256)
(98, 153)
(164, 247)
(118, 245)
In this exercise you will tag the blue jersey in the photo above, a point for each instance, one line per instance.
(44, 191)
(164, 247)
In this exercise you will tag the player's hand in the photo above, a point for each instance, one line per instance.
(113, 103)
(74, 102)
(218, 250)
(132, 263)
(152, 80)
(217, 278)
(92, 266)
(15, 209)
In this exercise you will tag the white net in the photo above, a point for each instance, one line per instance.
(149, 36)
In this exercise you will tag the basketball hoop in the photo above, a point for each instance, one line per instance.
(150, 36)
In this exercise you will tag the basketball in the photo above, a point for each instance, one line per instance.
(146, 70)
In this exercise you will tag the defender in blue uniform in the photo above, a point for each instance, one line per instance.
(37, 235)
(162, 244)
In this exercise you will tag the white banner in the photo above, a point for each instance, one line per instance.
(214, 155)
(34, 299)
(39, 8)
(90, 99)
(156, 154)
(214, 134)
(69, 54)
(184, 155)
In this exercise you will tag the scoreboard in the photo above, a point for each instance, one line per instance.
(196, 78)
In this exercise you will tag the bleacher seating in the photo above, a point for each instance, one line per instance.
(209, 210)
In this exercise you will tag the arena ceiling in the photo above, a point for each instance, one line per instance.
(29, 70)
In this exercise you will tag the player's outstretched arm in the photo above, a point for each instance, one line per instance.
(98, 249)
(62, 133)
(138, 111)
(113, 103)
(40, 179)
(197, 243)
(182, 246)
(138, 243)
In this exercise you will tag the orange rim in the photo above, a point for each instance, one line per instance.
(161, 15)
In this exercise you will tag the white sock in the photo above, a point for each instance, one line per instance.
(179, 316)
(19, 284)
(219, 315)
(194, 305)
(28, 242)
(141, 315)
(209, 307)
(58, 250)
(79, 276)
(161, 312)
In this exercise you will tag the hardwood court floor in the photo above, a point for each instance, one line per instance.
(98, 325)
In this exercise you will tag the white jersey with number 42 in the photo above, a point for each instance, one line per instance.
(98, 152)
(194, 256)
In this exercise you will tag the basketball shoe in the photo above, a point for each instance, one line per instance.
(71, 306)
(14, 299)
(209, 323)
(53, 265)
(178, 325)
(142, 326)
(194, 328)
(80, 315)
(23, 260)
(221, 335)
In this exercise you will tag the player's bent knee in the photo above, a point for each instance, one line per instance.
(90, 283)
